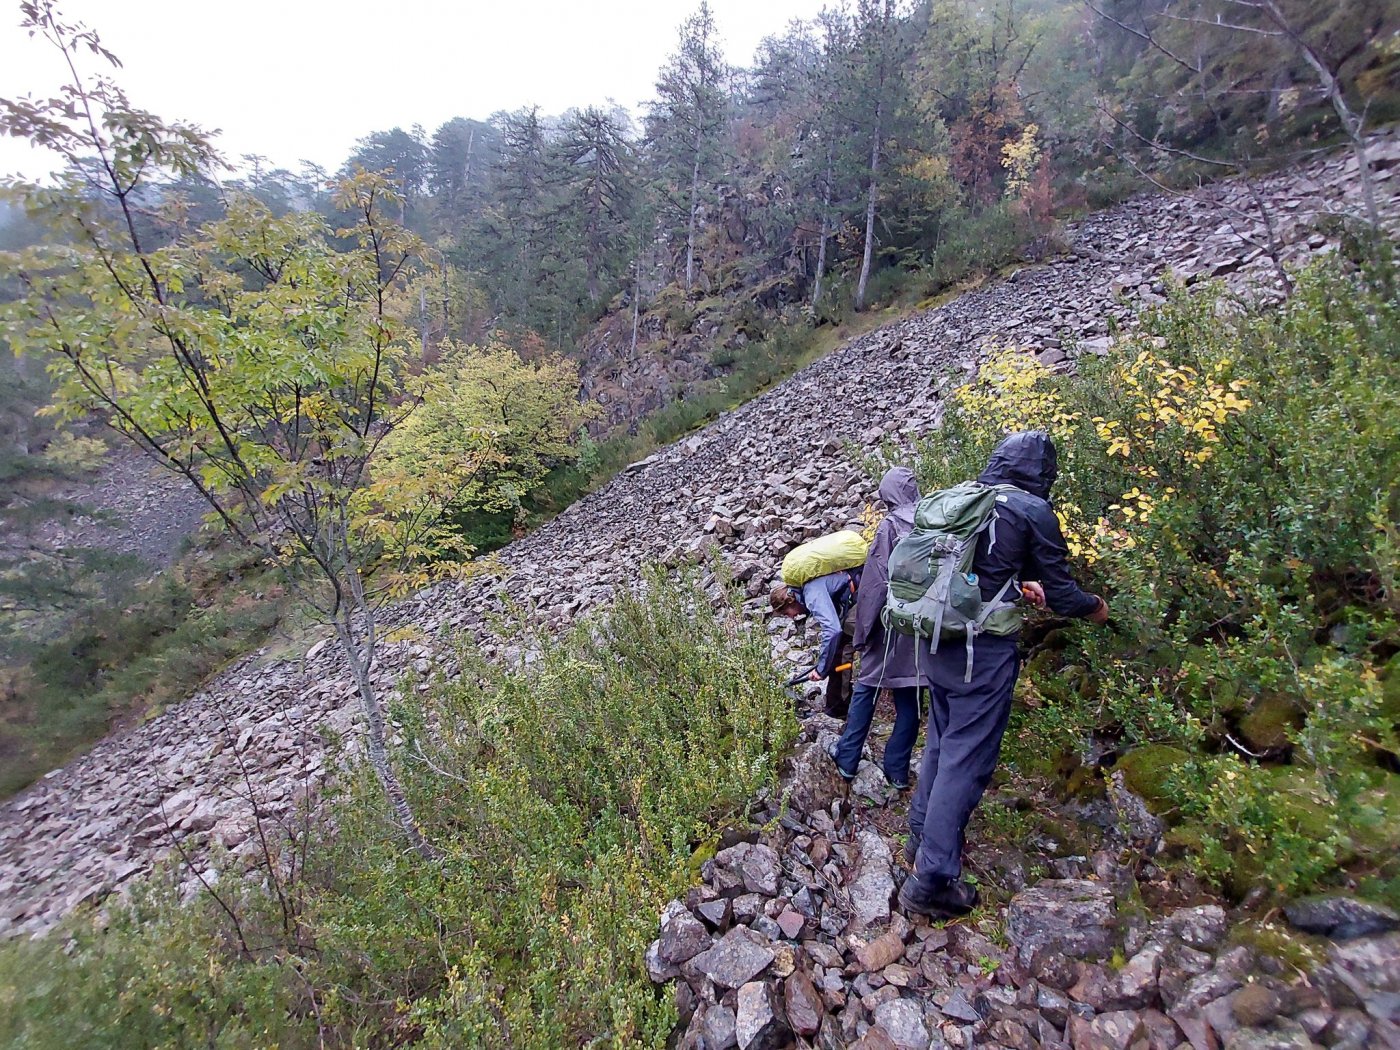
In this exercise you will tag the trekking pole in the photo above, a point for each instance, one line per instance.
(801, 676)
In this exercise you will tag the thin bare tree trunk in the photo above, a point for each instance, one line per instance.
(1352, 124)
(694, 210)
(825, 233)
(870, 207)
(360, 654)
(636, 301)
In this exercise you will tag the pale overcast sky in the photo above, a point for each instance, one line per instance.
(294, 79)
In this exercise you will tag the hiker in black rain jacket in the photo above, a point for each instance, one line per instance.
(968, 718)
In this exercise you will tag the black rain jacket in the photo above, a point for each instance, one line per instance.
(1026, 541)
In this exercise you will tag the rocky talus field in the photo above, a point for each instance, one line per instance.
(791, 935)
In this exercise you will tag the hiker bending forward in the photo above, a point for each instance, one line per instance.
(887, 659)
(970, 706)
(829, 599)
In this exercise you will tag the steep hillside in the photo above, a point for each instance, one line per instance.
(770, 473)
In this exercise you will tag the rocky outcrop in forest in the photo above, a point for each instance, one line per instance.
(767, 475)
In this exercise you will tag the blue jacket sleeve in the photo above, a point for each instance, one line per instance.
(1048, 562)
(816, 596)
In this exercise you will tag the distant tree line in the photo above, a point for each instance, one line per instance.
(853, 142)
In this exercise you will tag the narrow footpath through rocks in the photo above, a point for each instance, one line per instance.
(771, 473)
(1082, 940)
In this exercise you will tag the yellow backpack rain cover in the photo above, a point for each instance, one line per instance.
(825, 554)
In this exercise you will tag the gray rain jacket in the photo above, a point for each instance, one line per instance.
(887, 660)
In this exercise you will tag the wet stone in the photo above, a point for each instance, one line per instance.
(1062, 917)
(733, 961)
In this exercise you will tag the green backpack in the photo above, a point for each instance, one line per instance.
(932, 594)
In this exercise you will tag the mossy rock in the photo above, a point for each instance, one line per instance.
(1044, 671)
(1270, 721)
(1227, 698)
(1276, 941)
(1147, 770)
(1382, 835)
(1297, 796)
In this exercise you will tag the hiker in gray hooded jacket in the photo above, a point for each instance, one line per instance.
(887, 659)
(970, 705)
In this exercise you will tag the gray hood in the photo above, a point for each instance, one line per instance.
(1026, 460)
(900, 492)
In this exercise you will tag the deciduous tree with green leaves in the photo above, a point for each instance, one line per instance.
(256, 356)
(512, 419)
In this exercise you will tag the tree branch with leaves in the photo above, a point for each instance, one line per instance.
(257, 356)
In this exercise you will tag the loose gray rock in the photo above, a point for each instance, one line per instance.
(1111, 1031)
(1341, 918)
(1284, 1034)
(736, 960)
(874, 882)
(903, 1021)
(760, 1024)
(1071, 918)
(1202, 928)
(718, 1027)
(682, 935)
(958, 1008)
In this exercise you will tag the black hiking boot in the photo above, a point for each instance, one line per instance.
(938, 898)
(911, 850)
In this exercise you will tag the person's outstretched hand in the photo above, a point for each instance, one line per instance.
(1100, 615)
(1033, 593)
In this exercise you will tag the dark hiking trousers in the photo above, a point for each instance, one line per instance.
(838, 683)
(901, 742)
(965, 726)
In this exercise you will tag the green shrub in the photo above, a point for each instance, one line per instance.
(1228, 479)
(153, 645)
(570, 799)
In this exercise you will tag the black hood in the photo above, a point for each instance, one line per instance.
(1026, 460)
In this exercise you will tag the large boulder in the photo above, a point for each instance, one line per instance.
(1340, 918)
(1062, 918)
